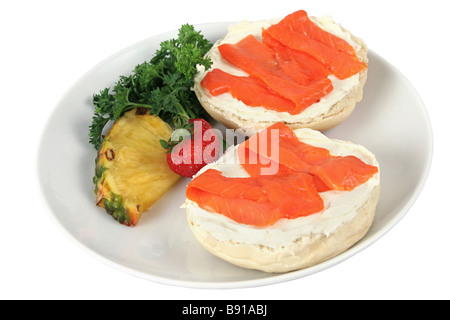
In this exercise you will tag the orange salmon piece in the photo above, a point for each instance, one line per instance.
(289, 151)
(251, 91)
(251, 55)
(240, 210)
(301, 96)
(293, 61)
(343, 173)
(252, 163)
(275, 198)
(342, 65)
(212, 181)
(255, 163)
(300, 22)
(294, 194)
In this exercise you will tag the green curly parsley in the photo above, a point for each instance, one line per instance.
(162, 85)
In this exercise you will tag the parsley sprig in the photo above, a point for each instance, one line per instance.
(162, 85)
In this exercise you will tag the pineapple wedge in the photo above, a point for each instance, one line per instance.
(131, 170)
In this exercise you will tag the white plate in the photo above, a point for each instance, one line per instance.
(391, 121)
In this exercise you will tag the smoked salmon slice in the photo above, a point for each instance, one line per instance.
(212, 181)
(259, 164)
(299, 33)
(251, 91)
(292, 191)
(240, 210)
(279, 143)
(340, 64)
(295, 194)
(299, 21)
(277, 197)
(342, 173)
(304, 63)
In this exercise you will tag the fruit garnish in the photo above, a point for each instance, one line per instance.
(131, 171)
(191, 147)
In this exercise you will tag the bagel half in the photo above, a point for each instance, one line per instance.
(291, 244)
(332, 110)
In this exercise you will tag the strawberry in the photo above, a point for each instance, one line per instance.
(187, 155)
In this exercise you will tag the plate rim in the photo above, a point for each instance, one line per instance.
(276, 278)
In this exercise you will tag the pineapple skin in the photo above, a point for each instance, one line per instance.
(114, 204)
(127, 210)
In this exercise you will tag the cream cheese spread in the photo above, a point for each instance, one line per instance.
(237, 32)
(340, 206)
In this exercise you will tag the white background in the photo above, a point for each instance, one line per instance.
(47, 45)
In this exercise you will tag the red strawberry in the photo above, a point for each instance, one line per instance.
(188, 156)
